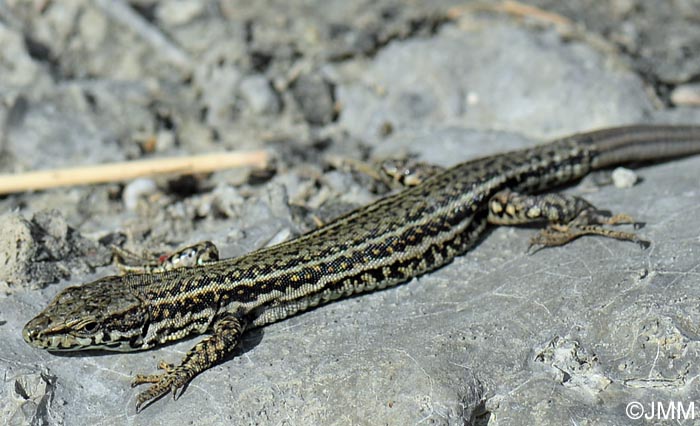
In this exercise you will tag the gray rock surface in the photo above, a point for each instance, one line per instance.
(563, 336)
(670, 51)
(537, 73)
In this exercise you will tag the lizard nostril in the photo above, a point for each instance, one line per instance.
(34, 327)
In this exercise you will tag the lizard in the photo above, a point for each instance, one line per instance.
(388, 242)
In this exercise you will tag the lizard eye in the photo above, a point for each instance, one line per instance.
(90, 327)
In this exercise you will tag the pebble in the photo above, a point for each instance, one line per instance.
(17, 247)
(686, 94)
(135, 189)
(315, 99)
(258, 93)
(179, 12)
(624, 178)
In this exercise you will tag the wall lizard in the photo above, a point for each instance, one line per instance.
(382, 244)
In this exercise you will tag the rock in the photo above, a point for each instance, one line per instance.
(315, 98)
(259, 95)
(17, 248)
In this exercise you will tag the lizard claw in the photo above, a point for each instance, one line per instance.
(172, 380)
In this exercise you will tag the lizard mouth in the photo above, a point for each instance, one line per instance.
(32, 332)
(39, 334)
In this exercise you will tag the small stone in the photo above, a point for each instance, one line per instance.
(686, 94)
(17, 248)
(218, 85)
(165, 140)
(315, 99)
(179, 12)
(258, 93)
(53, 223)
(93, 28)
(624, 178)
(621, 8)
(226, 200)
(135, 189)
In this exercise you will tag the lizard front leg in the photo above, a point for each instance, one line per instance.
(205, 354)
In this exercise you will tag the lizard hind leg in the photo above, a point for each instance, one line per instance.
(195, 255)
(407, 173)
(557, 235)
(567, 217)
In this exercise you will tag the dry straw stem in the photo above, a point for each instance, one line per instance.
(514, 8)
(102, 173)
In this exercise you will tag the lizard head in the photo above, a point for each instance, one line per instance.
(106, 314)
